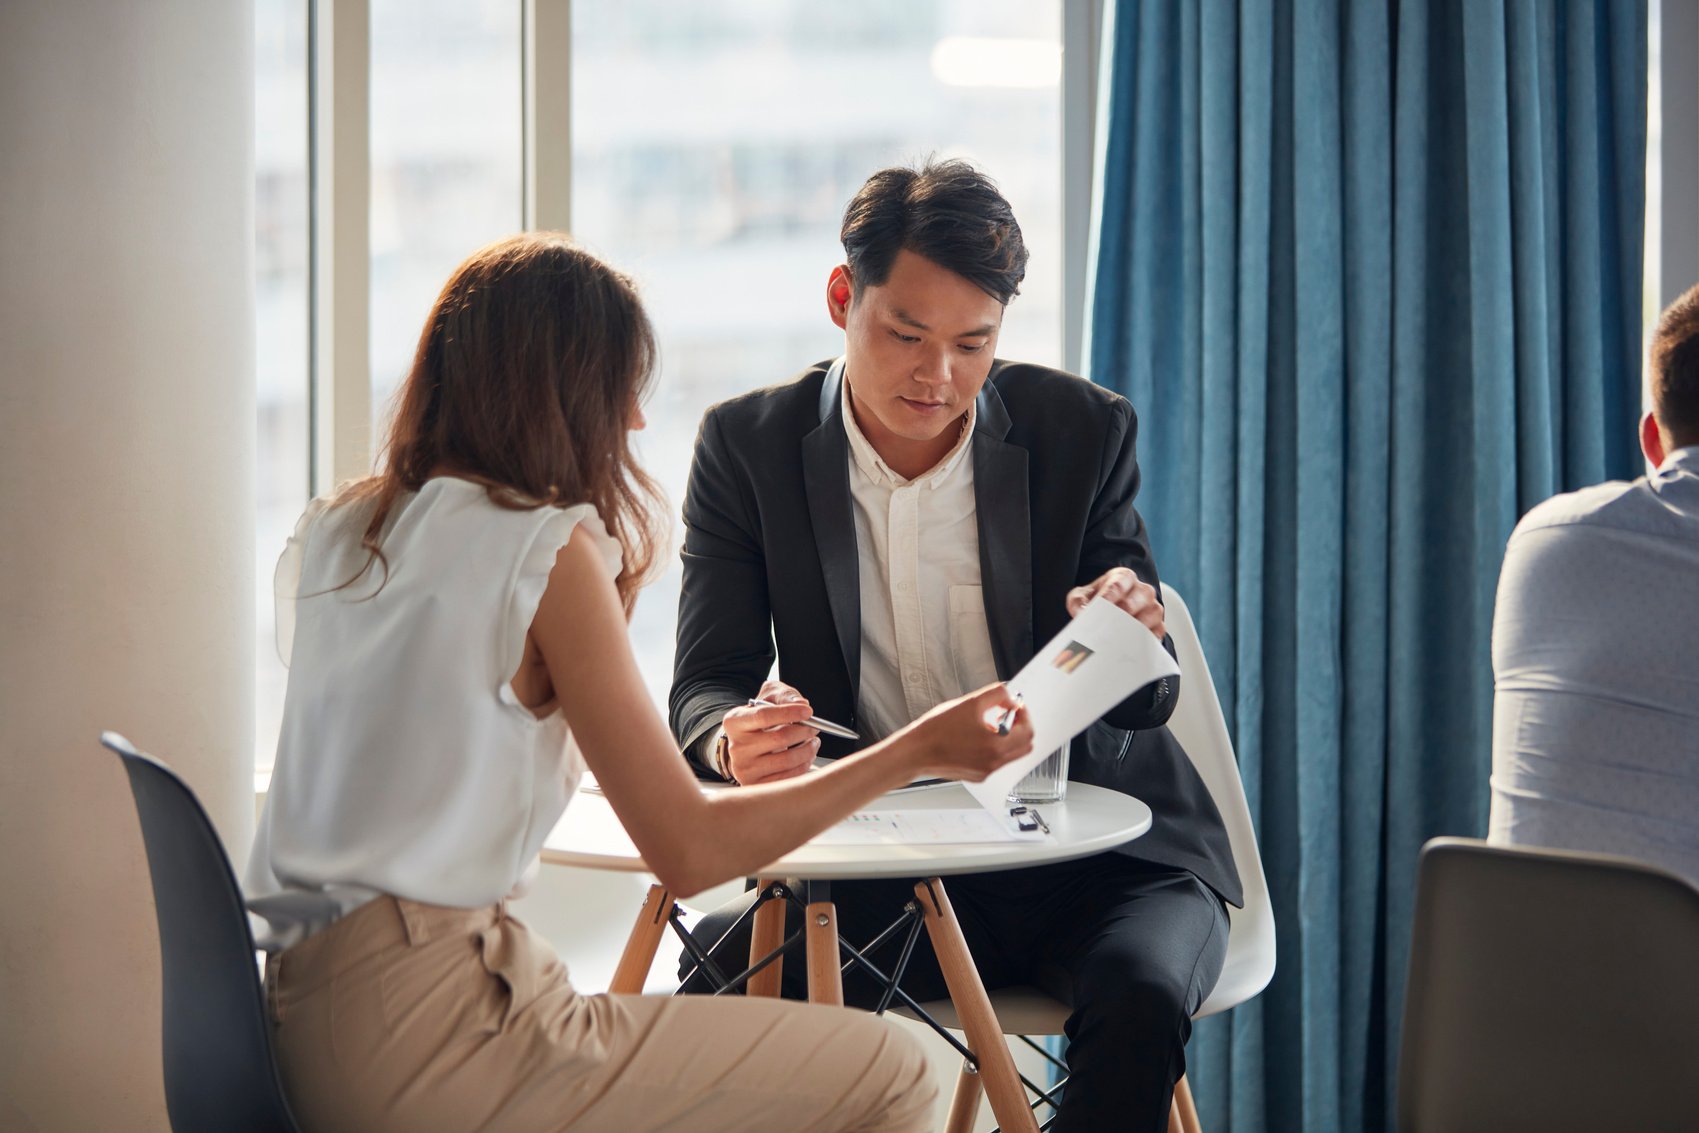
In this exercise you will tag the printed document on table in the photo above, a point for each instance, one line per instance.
(1098, 660)
(924, 827)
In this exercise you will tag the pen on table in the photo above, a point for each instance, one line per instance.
(817, 723)
(1007, 719)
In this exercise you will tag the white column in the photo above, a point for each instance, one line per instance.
(126, 501)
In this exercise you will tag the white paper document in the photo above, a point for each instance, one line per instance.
(924, 827)
(1098, 660)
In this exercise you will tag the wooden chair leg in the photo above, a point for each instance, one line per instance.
(984, 1036)
(767, 933)
(1185, 1108)
(640, 946)
(964, 1106)
(825, 979)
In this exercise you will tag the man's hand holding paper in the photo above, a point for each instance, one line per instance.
(1122, 587)
(1099, 659)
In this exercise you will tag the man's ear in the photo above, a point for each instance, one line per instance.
(1652, 440)
(839, 291)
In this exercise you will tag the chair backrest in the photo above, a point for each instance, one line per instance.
(1200, 728)
(1549, 990)
(216, 1038)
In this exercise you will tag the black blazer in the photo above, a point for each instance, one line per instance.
(770, 560)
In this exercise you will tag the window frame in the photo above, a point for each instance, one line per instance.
(339, 182)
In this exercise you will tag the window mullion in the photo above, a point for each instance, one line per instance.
(547, 71)
(340, 144)
(1081, 27)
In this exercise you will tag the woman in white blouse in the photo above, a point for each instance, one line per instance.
(456, 632)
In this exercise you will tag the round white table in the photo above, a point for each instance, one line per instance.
(1090, 821)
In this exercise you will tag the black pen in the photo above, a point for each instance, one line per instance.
(1007, 720)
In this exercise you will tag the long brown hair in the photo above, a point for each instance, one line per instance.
(530, 366)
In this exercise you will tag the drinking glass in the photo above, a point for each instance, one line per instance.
(1046, 783)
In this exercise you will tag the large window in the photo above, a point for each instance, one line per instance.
(712, 146)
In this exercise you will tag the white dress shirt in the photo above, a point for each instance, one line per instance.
(924, 636)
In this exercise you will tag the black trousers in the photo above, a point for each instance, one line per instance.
(1135, 947)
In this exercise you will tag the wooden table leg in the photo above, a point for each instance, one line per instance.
(964, 1106)
(767, 933)
(639, 954)
(825, 980)
(1186, 1107)
(984, 1036)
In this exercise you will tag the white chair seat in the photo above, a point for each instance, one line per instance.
(1020, 1010)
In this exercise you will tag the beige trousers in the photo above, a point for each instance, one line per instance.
(413, 1017)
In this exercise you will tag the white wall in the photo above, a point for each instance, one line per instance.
(126, 500)
(1679, 103)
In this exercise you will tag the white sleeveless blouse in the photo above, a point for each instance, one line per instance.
(406, 765)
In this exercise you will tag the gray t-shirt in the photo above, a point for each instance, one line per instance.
(1596, 672)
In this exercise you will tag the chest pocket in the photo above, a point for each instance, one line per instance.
(970, 639)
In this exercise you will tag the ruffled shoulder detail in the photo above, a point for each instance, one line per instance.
(286, 581)
(554, 529)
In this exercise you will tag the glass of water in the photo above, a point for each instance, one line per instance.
(1046, 783)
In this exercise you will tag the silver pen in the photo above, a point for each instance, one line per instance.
(819, 724)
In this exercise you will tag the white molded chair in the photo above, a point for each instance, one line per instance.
(1198, 725)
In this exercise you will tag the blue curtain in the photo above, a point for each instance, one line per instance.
(1369, 270)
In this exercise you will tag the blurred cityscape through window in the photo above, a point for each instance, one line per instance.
(447, 133)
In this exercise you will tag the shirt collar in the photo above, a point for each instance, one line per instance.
(875, 468)
(1685, 458)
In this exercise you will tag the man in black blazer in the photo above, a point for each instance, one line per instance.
(906, 523)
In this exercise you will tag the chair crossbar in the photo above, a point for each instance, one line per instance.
(702, 961)
(908, 925)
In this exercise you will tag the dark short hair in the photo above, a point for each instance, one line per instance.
(947, 211)
(1675, 369)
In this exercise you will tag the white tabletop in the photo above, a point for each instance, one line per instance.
(1091, 820)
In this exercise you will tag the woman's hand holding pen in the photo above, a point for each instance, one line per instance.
(970, 737)
(769, 742)
(966, 738)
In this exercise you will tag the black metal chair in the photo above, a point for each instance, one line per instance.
(220, 1076)
(1549, 991)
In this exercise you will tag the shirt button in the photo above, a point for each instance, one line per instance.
(914, 679)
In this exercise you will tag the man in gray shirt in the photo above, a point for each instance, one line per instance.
(1596, 645)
